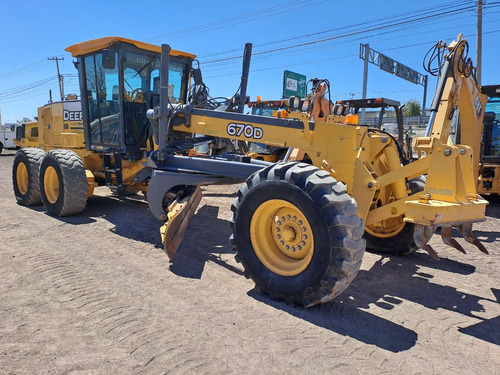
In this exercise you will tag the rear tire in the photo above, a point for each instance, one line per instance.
(402, 243)
(399, 244)
(25, 172)
(297, 233)
(63, 183)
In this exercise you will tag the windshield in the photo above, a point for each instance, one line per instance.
(117, 98)
(141, 72)
(261, 111)
(491, 137)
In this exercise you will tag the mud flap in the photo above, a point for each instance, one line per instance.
(179, 214)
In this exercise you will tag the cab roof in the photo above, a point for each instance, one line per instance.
(93, 45)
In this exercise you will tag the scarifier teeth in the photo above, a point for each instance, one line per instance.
(431, 251)
(466, 230)
(421, 235)
(446, 236)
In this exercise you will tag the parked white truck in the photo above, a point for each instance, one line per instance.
(7, 135)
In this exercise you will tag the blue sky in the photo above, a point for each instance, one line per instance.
(317, 38)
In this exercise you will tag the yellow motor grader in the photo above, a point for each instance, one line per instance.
(489, 163)
(300, 229)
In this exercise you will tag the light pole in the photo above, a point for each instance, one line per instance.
(479, 40)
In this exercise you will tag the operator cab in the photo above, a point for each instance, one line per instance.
(491, 133)
(119, 82)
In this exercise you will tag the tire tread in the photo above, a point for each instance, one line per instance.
(345, 229)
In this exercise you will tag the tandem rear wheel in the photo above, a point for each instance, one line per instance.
(25, 176)
(63, 183)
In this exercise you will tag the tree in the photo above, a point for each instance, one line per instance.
(412, 108)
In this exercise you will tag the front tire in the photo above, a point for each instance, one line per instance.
(297, 233)
(63, 183)
(25, 172)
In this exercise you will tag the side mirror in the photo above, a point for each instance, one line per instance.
(108, 59)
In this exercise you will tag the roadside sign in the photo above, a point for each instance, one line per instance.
(294, 84)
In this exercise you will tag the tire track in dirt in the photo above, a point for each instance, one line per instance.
(94, 294)
(113, 314)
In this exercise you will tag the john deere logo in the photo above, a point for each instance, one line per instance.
(479, 107)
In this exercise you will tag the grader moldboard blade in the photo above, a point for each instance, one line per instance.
(179, 215)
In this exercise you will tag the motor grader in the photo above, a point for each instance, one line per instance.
(300, 229)
(489, 166)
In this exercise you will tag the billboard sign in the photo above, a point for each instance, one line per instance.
(407, 73)
(386, 63)
(294, 84)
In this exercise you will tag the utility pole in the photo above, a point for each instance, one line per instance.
(479, 40)
(59, 76)
(365, 78)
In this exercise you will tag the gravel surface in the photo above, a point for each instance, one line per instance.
(96, 294)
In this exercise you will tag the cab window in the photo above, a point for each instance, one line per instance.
(491, 133)
(102, 101)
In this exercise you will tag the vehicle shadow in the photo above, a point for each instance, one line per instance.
(488, 329)
(129, 215)
(206, 238)
(387, 284)
(347, 319)
(203, 243)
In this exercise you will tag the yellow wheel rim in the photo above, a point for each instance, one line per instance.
(282, 237)
(51, 184)
(22, 178)
(386, 228)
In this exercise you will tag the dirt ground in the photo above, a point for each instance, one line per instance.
(96, 294)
